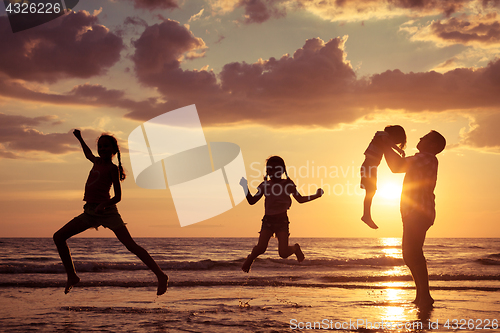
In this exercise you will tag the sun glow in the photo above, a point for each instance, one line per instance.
(389, 190)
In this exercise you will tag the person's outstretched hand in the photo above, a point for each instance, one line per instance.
(77, 133)
(243, 182)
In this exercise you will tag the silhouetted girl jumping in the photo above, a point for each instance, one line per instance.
(275, 221)
(100, 209)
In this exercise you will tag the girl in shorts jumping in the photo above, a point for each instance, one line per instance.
(100, 209)
(275, 221)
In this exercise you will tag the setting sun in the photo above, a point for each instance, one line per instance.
(389, 190)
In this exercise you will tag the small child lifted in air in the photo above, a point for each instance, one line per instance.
(393, 136)
(275, 221)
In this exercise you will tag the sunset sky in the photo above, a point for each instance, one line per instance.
(311, 81)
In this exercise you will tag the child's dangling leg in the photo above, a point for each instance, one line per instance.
(369, 184)
(260, 248)
(367, 205)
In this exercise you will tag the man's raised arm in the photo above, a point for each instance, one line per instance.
(396, 163)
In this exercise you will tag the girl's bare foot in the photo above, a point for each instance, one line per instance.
(162, 284)
(70, 283)
(298, 253)
(246, 265)
(368, 220)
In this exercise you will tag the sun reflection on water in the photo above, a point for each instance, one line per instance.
(395, 298)
(391, 247)
(396, 309)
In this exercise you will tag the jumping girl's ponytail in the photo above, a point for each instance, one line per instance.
(116, 151)
(120, 168)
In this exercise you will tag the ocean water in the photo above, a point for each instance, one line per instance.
(349, 284)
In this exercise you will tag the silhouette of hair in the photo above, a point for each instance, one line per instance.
(397, 134)
(439, 142)
(116, 150)
(278, 161)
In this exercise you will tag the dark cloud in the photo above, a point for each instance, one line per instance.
(159, 52)
(462, 31)
(18, 134)
(275, 91)
(446, 7)
(258, 11)
(316, 70)
(135, 20)
(85, 94)
(8, 154)
(314, 86)
(88, 94)
(162, 46)
(491, 3)
(74, 45)
(459, 89)
(155, 4)
(19, 137)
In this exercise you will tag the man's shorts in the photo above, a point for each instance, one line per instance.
(418, 221)
(110, 218)
(276, 223)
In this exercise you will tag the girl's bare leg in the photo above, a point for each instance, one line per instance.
(286, 250)
(123, 236)
(73, 227)
(260, 248)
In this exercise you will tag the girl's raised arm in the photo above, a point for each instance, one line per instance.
(252, 199)
(86, 150)
(302, 199)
